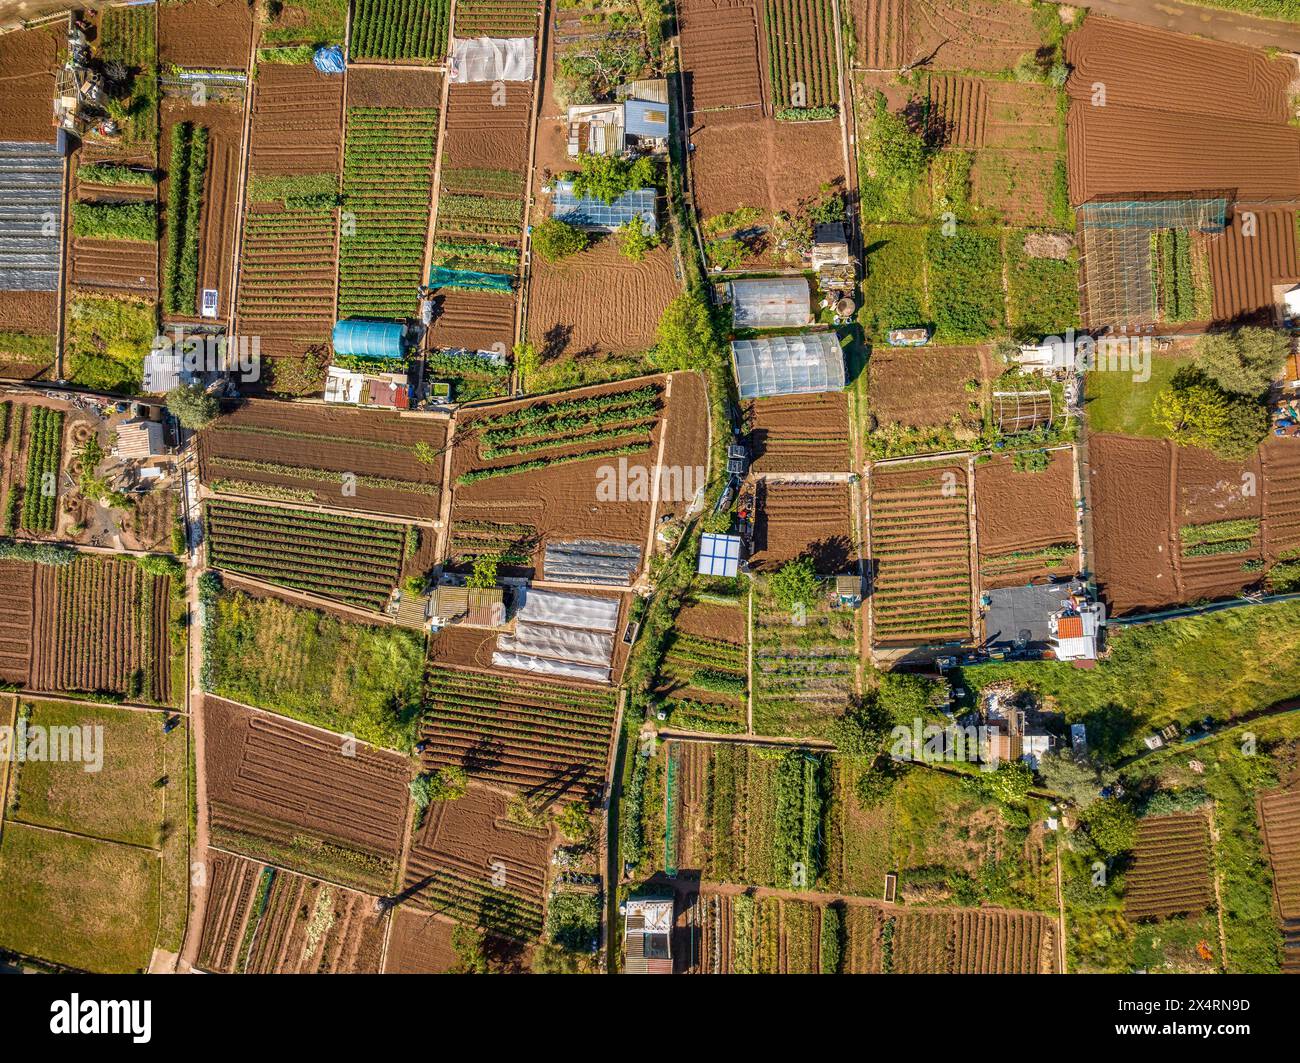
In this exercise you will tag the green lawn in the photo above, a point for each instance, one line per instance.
(1223, 664)
(893, 293)
(1115, 402)
(87, 904)
(120, 802)
(351, 678)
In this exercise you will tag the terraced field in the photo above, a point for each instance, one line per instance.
(1171, 867)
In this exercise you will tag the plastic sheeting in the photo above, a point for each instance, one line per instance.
(559, 643)
(772, 302)
(788, 365)
(592, 561)
(329, 60)
(470, 280)
(491, 59)
(31, 203)
(570, 610)
(543, 666)
(368, 339)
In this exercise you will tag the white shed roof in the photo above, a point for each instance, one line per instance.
(788, 365)
(719, 555)
(770, 302)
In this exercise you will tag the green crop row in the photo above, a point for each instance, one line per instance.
(44, 449)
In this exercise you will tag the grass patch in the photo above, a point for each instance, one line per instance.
(107, 340)
(350, 678)
(965, 270)
(1115, 402)
(893, 293)
(314, 22)
(1042, 293)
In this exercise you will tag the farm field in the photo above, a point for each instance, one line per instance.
(17, 608)
(1025, 521)
(1279, 818)
(702, 678)
(964, 34)
(388, 30)
(497, 18)
(803, 519)
(579, 464)
(96, 860)
(352, 560)
(205, 34)
(1171, 867)
(247, 453)
(462, 847)
(799, 433)
(261, 920)
(720, 52)
(31, 58)
(927, 399)
(315, 667)
(102, 625)
(542, 738)
(920, 554)
(803, 69)
(304, 798)
(805, 667)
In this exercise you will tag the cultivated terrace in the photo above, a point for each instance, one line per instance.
(649, 486)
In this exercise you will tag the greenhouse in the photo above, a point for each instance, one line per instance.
(588, 212)
(773, 302)
(788, 365)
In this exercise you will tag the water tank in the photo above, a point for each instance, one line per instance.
(369, 339)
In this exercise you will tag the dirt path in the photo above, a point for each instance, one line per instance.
(1227, 26)
(189, 953)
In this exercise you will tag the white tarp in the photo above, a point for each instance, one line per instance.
(570, 610)
(561, 643)
(545, 666)
(491, 59)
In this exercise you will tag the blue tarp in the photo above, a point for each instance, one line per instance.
(369, 339)
(329, 60)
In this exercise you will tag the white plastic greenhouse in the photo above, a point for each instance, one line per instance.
(770, 302)
(788, 365)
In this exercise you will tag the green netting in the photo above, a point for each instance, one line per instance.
(469, 280)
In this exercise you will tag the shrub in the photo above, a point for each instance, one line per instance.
(192, 406)
(634, 241)
(606, 177)
(795, 584)
(116, 221)
(554, 239)
(687, 335)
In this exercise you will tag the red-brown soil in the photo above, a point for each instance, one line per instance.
(599, 498)
(365, 442)
(714, 621)
(686, 445)
(959, 110)
(742, 159)
(1211, 489)
(803, 519)
(1210, 116)
(305, 927)
(799, 433)
(225, 125)
(205, 33)
(29, 59)
(1171, 867)
(957, 34)
(17, 609)
(925, 387)
(1244, 268)
(275, 785)
(1280, 461)
(471, 863)
(297, 120)
(720, 54)
(487, 127)
(1132, 490)
(1279, 818)
(420, 943)
(34, 312)
(1024, 511)
(115, 266)
(368, 87)
(598, 302)
(477, 321)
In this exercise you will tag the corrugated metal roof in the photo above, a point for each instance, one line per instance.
(643, 118)
(788, 365)
(139, 439)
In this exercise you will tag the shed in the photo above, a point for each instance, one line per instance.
(449, 603)
(788, 365)
(646, 119)
(354, 337)
(139, 441)
(719, 555)
(587, 212)
(647, 935)
(163, 371)
(487, 607)
(771, 302)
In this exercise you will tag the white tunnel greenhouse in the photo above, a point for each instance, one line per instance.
(788, 365)
(770, 302)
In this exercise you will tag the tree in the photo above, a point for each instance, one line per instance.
(904, 696)
(876, 785)
(554, 239)
(192, 406)
(1111, 825)
(575, 822)
(1243, 361)
(634, 241)
(687, 336)
(1075, 778)
(444, 784)
(896, 153)
(1194, 412)
(484, 575)
(606, 177)
(795, 584)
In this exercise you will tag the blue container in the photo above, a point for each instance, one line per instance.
(369, 339)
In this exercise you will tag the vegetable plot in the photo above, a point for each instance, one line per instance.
(400, 29)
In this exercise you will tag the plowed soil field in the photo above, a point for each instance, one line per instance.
(925, 387)
(720, 54)
(297, 121)
(471, 863)
(1020, 513)
(1244, 268)
(1171, 867)
(598, 302)
(799, 433)
(17, 610)
(305, 926)
(488, 128)
(1211, 116)
(956, 34)
(1280, 461)
(205, 33)
(795, 520)
(1279, 817)
(29, 59)
(368, 443)
(300, 796)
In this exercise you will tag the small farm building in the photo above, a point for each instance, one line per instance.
(771, 302)
(645, 124)
(139, 441)
(386, 390)
(719, 555)
(165, 370)
(647, 938)
(587, 212)
(788, 365)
